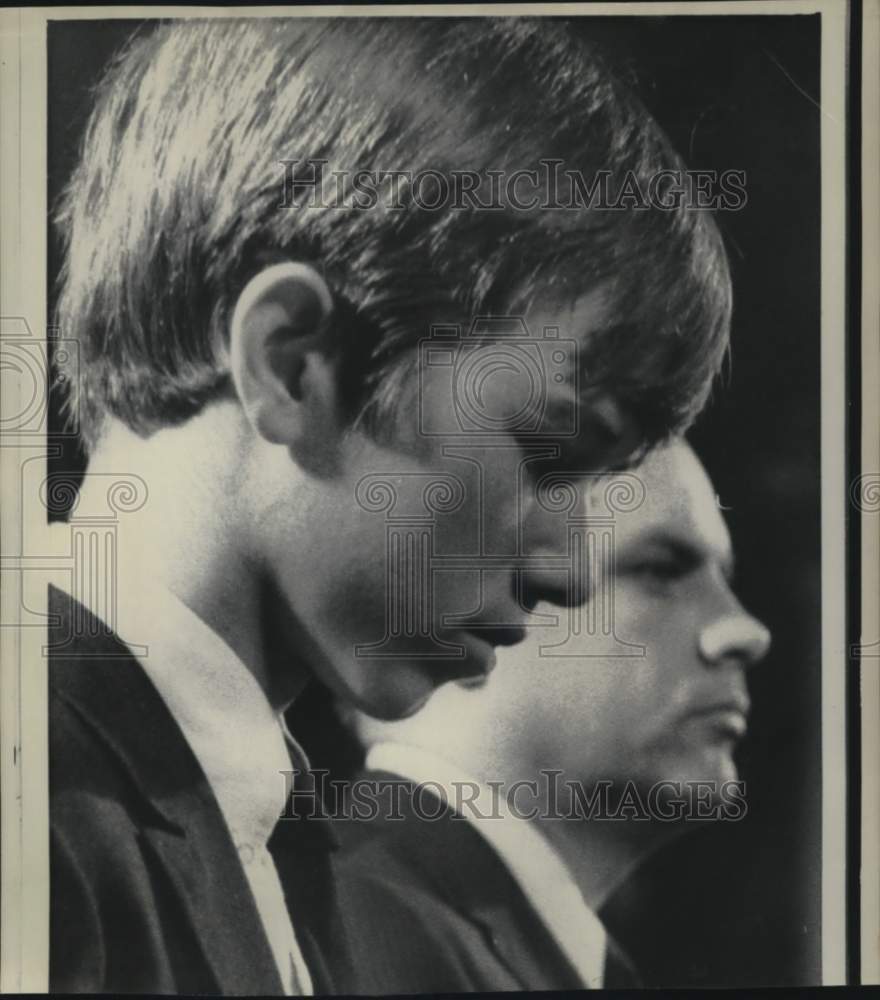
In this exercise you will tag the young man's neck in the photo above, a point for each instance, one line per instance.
(191, 536)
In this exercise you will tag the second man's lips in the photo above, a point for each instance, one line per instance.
(730, 713)
(728, 703)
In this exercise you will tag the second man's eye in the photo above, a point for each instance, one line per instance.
(660, 572)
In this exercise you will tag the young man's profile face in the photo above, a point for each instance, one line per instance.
(392, 567)
(677, 713)
(399, 560)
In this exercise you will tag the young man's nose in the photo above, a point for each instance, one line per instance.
(552, 585)
(559, 571)
(735, 637)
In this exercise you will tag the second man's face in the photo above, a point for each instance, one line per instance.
(653, 688)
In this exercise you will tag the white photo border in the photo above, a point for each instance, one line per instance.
(23, 674)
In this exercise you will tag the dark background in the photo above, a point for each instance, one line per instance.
(736, 904)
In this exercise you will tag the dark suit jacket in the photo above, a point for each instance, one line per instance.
(430, 908)
(147, 891)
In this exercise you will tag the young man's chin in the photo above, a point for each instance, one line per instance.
(392, 689)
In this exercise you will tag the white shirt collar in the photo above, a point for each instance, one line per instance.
(532, 861)
(240, 741)
(237, 737)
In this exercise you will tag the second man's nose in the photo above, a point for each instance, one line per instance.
(737, 637)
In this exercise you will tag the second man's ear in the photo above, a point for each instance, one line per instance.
(279, 357)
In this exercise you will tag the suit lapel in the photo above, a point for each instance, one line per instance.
(620, 973)
(469, 875)
(183, 832)
(517, 934)
(523, 943)
(220, 910)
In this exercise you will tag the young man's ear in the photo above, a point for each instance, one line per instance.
(281, 369)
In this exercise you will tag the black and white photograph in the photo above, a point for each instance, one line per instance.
(430, 482)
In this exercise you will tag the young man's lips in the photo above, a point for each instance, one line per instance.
(499, 635)
(487, 639)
